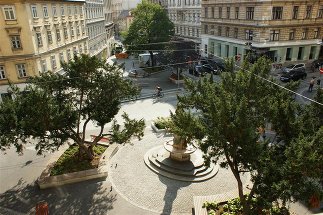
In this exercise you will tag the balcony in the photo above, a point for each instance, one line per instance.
(264, 23)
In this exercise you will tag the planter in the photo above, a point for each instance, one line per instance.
(181, 81)
(157, 130)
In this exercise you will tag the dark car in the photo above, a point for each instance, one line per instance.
(215, 63)
(293, 72)
(199, 70)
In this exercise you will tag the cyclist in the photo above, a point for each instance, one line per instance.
(158, 89)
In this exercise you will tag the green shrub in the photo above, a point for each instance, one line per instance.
(162, 122)
(70, 161)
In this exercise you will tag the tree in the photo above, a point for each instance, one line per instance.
(181, 54)
(57, 107)
(149, 30)
(231, 112)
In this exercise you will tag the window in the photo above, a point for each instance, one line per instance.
(250, 12)
(72, 31)
(78, 29)
(295, 12)
(228, 12)
(75, 10)
(34, 11)
(274, 35)
(308, 11)
(69, 10)
(62, 11)
(304, 34)
(300, 53)
(227, 31)
(206, 12)
(316, 33)
(220, 12)
(249, 34)
(43, 66)
(74, 51)
(53, 62)
(289, 54)
(45, 11)
(65, 32)
(54, 10)
(236, 16)
(277, 12)
(235, 33)
(61, 57)
(206, 29)
(219, 30)
(68, 53)
(39, 39)
(213, 12)
(9, 12)
(2, 73)
(205, 49)
(49, 37)
(85, 46)
(292, 34)
(21, 69)
(58, 34)
(312, 52)
(15, 42)
(320, 12)
(80, 49)
(81, 10)
(235, 50)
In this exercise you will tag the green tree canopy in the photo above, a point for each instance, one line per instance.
(57, 107)
(149, 29)
(231, 113)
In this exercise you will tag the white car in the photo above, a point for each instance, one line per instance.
(137, 73)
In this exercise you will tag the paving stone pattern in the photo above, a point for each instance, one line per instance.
(134, 181)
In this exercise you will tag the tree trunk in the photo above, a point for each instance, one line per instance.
(86, 150)
(152, 58)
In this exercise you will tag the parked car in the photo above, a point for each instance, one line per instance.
(137, 73)
(218, 63)
(293, 72)
(198, 71)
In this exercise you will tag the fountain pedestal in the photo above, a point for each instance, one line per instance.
(179, 153)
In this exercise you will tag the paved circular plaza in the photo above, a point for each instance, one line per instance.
(134, 181)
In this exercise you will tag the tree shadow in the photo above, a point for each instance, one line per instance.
(173, 186)
(89, 197)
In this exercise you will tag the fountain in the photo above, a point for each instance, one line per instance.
(177, 159)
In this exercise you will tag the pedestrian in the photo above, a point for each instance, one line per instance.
(312, 81)
(111, 189)
(133, 64)
(116, 165)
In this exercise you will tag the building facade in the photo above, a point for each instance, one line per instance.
(109, 25)
(283, 30)
(95, 24)
(36, 36)
(185, 14)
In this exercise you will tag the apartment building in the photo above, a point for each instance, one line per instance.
(289, 30)
(109, 25)
(95, 24)
(185, 14)
(35, 36)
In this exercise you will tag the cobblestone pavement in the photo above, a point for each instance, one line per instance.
(135, 182)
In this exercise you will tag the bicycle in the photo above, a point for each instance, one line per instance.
(156, 95)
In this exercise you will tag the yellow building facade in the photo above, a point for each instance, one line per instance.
(35, 36)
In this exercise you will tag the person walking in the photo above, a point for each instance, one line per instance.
(312, 81)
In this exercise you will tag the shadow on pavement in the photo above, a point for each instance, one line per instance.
(171, 192)
(88, 197)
